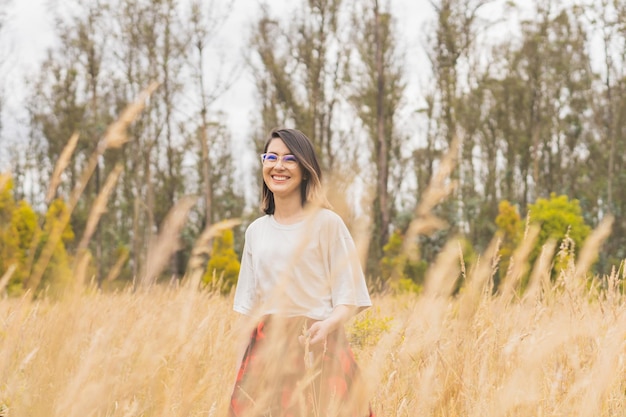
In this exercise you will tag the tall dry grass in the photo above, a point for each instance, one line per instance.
(170, 352)
(163, 352)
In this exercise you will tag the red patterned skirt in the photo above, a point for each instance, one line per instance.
(279, 377)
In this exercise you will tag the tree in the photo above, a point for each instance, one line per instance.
(450, 47)
(377, 97)
(206, 23)
(606, 160)
(523, 120)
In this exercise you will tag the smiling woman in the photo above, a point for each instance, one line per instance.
(300, 280)
(291, 175)
(282, 177)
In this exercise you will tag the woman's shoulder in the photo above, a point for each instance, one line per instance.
(257, 223)
(327, 217)
(324, 214)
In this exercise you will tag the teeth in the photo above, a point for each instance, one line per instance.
(279, 178)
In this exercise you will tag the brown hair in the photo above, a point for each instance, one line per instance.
(311, 187)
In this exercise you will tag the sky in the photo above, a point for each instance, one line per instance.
(28, 34)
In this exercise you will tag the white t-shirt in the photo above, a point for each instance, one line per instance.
(301, 269)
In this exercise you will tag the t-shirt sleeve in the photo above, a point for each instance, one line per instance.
(346, 275)
(245, 292)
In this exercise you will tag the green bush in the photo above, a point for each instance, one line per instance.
(558, 218)
(368, 328)
(223, 266)
(510, 230)
(401, 273)
(18, 229)
(58, 275)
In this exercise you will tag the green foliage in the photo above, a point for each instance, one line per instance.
(25, 229)
(404, 285)
(561, 220)
(402, 274)
(8, 240)
(59, 272)
(392, 259)
(17, 233)
(510, 230)
(558, 217)
(223, 267)
(368, 328)
(6, 200)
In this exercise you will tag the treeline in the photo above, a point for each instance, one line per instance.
(526, 109)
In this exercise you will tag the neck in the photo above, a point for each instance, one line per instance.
(288, 211)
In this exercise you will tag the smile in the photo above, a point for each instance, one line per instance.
(280, 177)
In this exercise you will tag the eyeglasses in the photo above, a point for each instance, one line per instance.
(271, 159)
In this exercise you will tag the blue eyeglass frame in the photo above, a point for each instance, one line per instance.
(273, 158)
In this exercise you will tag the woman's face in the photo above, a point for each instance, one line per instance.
(281, 175)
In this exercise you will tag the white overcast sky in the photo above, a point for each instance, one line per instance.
(28, 34)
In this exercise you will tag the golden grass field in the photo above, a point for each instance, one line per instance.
(558, 351)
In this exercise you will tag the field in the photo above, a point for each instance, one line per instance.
(558, 350)
(456, 349)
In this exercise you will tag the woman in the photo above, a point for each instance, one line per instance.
(300, 280)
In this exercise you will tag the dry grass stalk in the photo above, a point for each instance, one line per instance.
(202, 249)
(62, 163)
(4, 281)
(46, 254)
(99, 206)
(116, 135)
(338, 196)
(518, 265)
(115, 270)
(441, 278)
(167, 242)
(539, 281)
(424, 222)
(81, 266)
(474, 287)
(591, 248)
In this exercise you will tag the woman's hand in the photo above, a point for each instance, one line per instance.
(319, 331)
